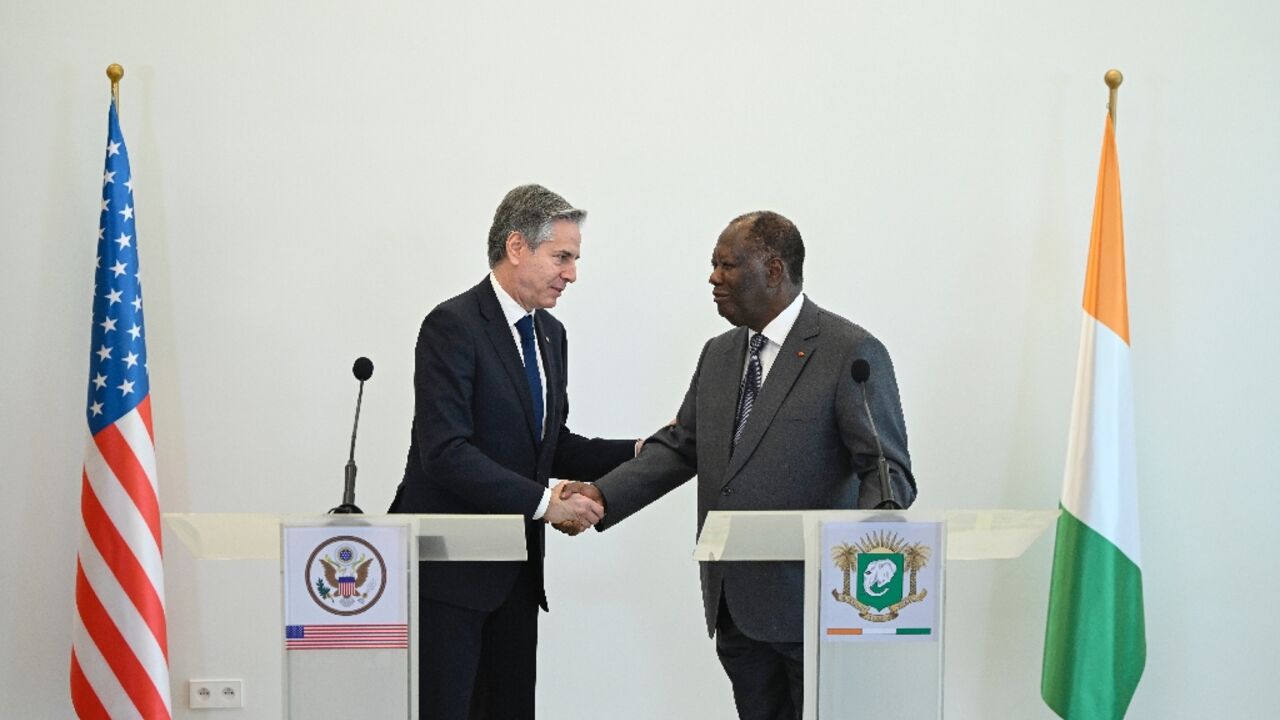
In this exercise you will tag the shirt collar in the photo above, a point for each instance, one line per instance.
(778, 329)
(510, 308)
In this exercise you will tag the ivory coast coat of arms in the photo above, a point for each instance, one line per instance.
(880, 561)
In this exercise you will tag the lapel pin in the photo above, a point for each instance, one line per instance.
(799, 353)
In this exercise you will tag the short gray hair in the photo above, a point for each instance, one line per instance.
(529, 210)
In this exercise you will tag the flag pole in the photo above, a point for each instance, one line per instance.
(115, 72)
(1113, 78)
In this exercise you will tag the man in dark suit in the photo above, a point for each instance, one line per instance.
(772, 421)
(488, 432)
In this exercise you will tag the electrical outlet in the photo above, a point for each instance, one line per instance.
(209, 694)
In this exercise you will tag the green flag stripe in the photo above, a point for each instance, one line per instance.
(1095, 641)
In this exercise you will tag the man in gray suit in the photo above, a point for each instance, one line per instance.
(773, 420)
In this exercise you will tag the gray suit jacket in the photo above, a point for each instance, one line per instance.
(807, 445)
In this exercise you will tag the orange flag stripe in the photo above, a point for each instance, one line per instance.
(1105, 296)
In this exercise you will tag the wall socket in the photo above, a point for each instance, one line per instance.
(209, 694)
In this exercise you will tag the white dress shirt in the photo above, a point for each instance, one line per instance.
(775, 333)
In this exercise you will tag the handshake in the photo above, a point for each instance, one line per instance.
(574, 507)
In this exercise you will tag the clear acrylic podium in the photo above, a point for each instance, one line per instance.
(873, 678)
(363, 682)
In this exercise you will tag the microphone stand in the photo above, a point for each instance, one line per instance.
(348, 506)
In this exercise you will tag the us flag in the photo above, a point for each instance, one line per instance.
(119, 647)
(333, 637)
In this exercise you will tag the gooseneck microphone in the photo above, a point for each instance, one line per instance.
(363, 370)
(861, 371)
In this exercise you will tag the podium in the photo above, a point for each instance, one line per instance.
(863, 658)
(335, 572)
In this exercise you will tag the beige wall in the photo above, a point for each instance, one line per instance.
(313, 177)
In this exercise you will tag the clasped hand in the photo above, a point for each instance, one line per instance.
(574, 507)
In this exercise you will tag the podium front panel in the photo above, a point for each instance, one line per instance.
(877, 642)
(346, 626)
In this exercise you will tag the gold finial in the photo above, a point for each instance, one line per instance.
(115, 72)
(1113, 78)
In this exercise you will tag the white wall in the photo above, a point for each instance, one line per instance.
(313, 177)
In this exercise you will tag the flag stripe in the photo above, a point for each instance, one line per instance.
(1101, 485)
(125, 615)
(118, 556)
(1096, 629)
(83, 698)
(1104, 285)
(120, 512)
(115, 650)
(130, 469)
(105, 686)
(144, 412)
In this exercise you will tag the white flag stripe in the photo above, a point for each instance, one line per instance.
(125, 616)
(126, 517)
(139, 440)
(99, 675)
(1101, 441)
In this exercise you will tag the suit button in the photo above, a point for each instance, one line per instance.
(727, 491)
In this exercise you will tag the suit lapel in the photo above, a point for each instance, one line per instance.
(504, 347)
(796, 350)
(719, 382)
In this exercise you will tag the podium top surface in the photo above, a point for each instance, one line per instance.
(780, 535)
(256, 536)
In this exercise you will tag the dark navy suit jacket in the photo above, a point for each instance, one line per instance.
(474, 444)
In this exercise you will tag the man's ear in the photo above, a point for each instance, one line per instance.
(516, 247)
(776, 271)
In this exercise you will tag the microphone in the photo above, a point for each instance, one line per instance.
(861, 371)
(363, 370)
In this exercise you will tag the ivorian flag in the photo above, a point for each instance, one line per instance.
(1095, 640)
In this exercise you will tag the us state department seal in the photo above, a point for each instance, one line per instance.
(346, 575)
(880, 560)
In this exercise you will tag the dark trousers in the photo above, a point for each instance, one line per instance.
(767, 678)
(478, 665)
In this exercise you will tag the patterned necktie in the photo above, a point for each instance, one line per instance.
(529, 348)
(750, 388)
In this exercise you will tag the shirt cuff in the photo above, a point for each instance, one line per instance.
(542, 506)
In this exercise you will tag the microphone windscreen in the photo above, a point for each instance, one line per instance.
(362, 369)
(861, 370)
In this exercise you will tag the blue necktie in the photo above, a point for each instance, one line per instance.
(529, 348)
(750, 388)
